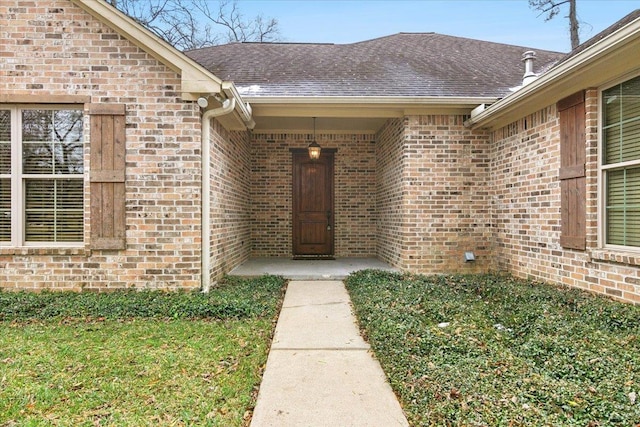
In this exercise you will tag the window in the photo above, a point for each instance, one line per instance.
(41, 176)
(621, 163)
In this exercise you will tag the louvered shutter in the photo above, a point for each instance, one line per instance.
(5, 176)
(107, 176)
(572, 172)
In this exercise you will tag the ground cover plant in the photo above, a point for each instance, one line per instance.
(491, 350)
(131, 358)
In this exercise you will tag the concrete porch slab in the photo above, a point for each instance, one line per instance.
(336, 269)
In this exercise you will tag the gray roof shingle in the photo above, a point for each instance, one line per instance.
(404, 64)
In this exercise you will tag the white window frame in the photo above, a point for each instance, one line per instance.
(18, 211)
(602, 172)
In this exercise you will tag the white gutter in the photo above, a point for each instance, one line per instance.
(227, 107)
(244, 110)
(567, 69)
(373, 100)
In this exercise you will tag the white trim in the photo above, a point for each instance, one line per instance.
(18, 178)
(195, 78)
(303, 131)
(362, 106)
(601, 219)
(340, 107)
(601, 182)
(244, 110)
(16, 188)
(372, 100)
(555, 79)
(621, 249)
(621, 165)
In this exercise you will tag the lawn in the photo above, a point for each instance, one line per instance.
(496, 351)
(135, 358)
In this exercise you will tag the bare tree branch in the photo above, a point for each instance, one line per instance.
(547, 6)
(552, 9)
(191, 24)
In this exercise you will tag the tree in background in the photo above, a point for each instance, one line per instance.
(552, 8)
(192, 24)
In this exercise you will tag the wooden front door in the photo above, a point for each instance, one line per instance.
(312, 199)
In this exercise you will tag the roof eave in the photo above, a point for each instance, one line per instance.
(614, 55)
(361, 106)
(195, 79)
(444, 100)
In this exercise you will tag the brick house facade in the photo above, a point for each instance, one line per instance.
(526, 210)
(419, 179)
(56, 55)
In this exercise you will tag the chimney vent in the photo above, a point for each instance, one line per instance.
(528, 57)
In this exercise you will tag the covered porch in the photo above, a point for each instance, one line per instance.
(408, 185)
(407, 189)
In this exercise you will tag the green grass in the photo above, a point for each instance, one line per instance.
(496, 351)
(135, 358)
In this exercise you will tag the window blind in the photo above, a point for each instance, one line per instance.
(52, 167)
(5, 175)
(623, 207)
(621, 145)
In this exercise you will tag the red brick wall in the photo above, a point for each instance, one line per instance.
(389, 192)
(432, 195)
(526, 209)
(446, 170)
(54, 48)
(355, 165)
(230, 214)
(527, 193)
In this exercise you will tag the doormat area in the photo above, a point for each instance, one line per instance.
(313, 258)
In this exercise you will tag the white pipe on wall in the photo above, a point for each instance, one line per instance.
(227, 107)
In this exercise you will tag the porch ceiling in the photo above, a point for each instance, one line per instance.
(349, 114)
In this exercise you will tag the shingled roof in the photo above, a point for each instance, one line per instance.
(404, 64)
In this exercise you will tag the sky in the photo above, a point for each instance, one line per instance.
(503, 21)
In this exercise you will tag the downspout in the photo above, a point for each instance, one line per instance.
(227, 107)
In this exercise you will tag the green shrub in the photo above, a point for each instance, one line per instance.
(232, 299)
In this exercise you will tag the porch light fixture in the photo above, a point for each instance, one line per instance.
(314, 148)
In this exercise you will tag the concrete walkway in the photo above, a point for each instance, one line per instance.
(320, 371)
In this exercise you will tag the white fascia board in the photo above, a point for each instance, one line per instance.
(557, 75)
(372, 100)
(196, 80)
(361, 106)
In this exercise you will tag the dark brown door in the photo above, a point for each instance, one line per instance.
(313, 204)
